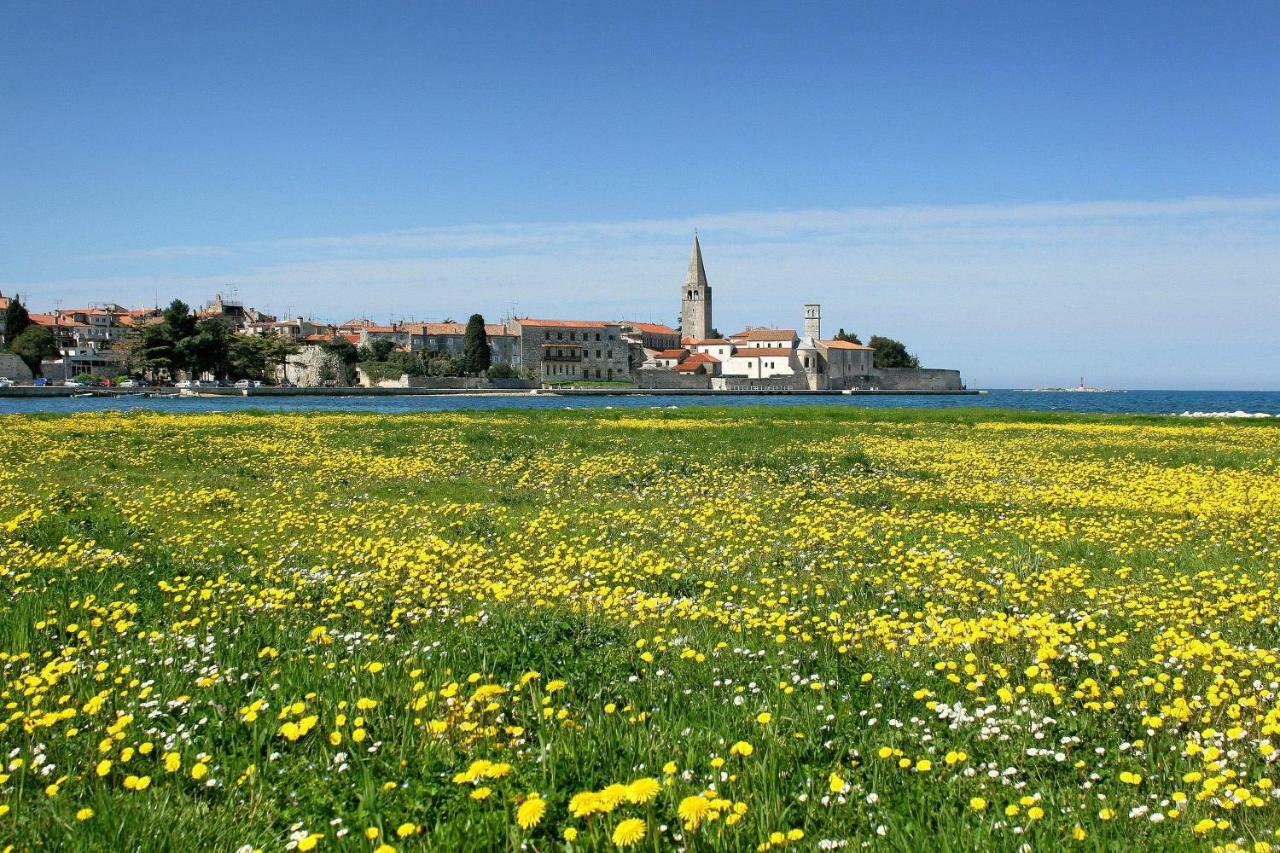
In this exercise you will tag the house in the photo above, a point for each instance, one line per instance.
(569, 350)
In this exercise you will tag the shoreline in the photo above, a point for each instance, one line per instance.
(58, 391)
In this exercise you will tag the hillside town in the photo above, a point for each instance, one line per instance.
(111, 343)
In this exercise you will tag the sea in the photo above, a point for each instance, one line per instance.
(1217, 403)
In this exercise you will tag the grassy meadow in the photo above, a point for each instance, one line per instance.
(751, 629)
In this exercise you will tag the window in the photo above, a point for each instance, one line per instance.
(546, 335)
(597, 336)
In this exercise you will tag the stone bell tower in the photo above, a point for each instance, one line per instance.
(813, 322)
(695, 301)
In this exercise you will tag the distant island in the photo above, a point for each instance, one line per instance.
(1079, 389)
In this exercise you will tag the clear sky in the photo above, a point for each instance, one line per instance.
(1025, 191)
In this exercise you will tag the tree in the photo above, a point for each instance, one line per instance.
(714, 334)
(849, 337)
(207, 350)
(476, 355)
(34, 345)
(248, 356)
(16, 320)
(377, 350)
(278, 351)
(179, 321)
(347, 356)
(891, 353)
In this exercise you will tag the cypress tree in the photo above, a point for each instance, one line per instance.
(16, 320)
(476, 354)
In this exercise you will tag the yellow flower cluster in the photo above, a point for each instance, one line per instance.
(757, 629)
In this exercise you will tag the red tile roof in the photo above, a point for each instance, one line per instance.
(671, 353)
(707, 342)
(564, 324)
(702, 358)
(654, 328)
(844, 345)
(766, 334)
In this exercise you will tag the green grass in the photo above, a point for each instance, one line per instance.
(754, 552)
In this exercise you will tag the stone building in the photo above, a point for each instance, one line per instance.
(695, 304)
(450, 339)
(570, 350)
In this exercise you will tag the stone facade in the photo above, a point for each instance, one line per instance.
(573, 350)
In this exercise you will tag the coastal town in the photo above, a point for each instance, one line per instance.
(110, 344)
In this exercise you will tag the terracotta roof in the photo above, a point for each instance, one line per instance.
(43, 319)
(564, 324)
(687, 367)
(671, 353)
(760, 352)
(382, 330)
(766, 334)
(708, 342)
(654, 328)
(702, 358)
(844, 345)
(351, 339)
(318, 339)
(451, 329)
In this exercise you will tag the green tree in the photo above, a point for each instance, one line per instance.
(346, 355)
(16, 320)
(278, 351)
(33, 345)
(891, 353)
(207, 350)
(179, 321)
(377, 350)
(476, 354)
(849, 337)
(248, 357)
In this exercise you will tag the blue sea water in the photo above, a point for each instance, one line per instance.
(1130, 402)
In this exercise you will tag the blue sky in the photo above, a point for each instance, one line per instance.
(1027, 192)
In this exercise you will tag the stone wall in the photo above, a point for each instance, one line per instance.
(917, 379)
(658, 379)
(306, 367)
(455, 383)
(773, 383)
(12, 367)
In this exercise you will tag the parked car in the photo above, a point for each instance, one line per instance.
(71, 383)
(41, 382)
(246, 383)
(6, 382)
(133, 383)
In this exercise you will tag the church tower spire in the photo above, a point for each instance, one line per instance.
(695, 303)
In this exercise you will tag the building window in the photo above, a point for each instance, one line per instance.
(597, 336)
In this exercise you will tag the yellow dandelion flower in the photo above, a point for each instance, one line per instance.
(629, 832)
(531, 811)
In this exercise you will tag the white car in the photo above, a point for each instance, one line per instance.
(5, 382)
(71, 383)
(246, 383)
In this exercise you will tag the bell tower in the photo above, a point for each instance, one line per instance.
(695, 298)
(813, 322)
